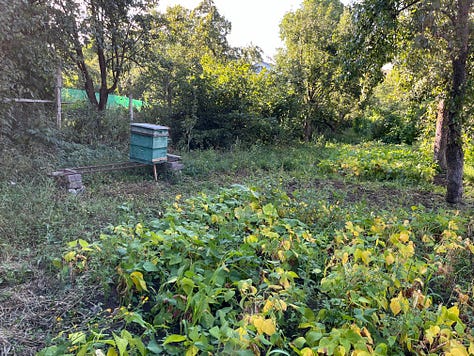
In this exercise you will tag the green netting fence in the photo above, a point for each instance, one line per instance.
(78, 95)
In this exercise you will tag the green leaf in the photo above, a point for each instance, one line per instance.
(299, 342)
(215, 331)
(54, 351)
(84, 244)
(269, 210)
(121, 344)
(187, 285)
(174, 338)
(154, 347)
(229, 295)
(150, 267)
(77, 338)
(381, 349)
(312, 337)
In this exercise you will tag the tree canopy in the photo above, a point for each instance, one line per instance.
(110, 34)
(446, 28)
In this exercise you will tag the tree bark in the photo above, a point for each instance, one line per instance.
(454, 149)
(103, 90)
(441, 136)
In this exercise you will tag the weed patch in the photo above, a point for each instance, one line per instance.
(380, 162)
(75, 305)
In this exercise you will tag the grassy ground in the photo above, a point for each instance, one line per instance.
(37, 218)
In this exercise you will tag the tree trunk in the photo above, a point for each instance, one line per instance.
(455, 165)
(441, 136)
(307, 129)
(454, 150)
(103, 90)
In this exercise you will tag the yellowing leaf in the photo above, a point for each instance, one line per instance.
(349, 225)
(345, 258)
(286, 245)
(471, 248)
(378, 227)
(365, 333)
(250, 239)
(138, 281)
(389, 259)
(192, 351)
(404, 236)
(242, 333)
(457, 351)
(420, 301)
(366, 257)
(431, 333)
(453, 314)
(471, 348)
(268, 306)
(360, 353)
(174, 338)
(269, 327)
(356, 329)
(427, 238)
(398, 304)
(263, 326)
(307, 352)
(280, 305)
(407, 251)
(281, 255)
(453, 226)
(340, 351)
(68, 257)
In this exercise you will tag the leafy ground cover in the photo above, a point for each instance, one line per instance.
(236, 272)
(297, 258)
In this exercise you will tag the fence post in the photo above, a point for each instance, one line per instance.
(130, 106)
(59, 84)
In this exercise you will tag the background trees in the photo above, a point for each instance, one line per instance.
(111, 31)
(313, 66)
(27, 63)
(211, 94)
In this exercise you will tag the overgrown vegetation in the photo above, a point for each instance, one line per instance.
(241, 272)
(262, 244)
(102, 260)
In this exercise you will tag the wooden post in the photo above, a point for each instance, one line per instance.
(155, 173)
(59, 84)
(130, 106)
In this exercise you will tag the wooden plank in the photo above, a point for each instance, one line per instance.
(21, 100)
(173, 158)
(98, 168)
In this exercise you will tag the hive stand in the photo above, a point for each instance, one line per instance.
(71, 178)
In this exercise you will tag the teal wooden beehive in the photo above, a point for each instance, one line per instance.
(148, 143)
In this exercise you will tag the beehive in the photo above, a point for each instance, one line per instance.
(148, 143)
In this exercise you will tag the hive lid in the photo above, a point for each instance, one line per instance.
(150, 126)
